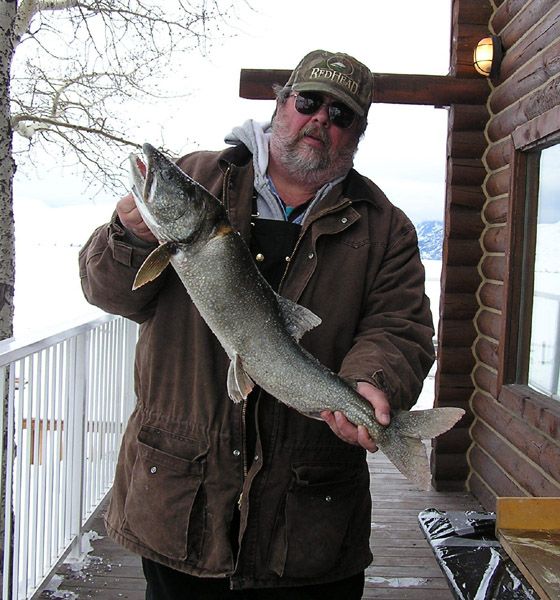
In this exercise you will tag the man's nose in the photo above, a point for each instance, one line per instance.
(322, 115)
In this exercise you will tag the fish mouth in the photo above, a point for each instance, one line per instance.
(139, 178)
(156, 184)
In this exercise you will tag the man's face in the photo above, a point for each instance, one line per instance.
(312, 149)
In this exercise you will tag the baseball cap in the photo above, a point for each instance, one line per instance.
(337, 74)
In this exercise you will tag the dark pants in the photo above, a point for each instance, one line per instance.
(167, 584)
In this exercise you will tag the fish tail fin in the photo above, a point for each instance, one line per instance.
(410, 457)
(402, 442)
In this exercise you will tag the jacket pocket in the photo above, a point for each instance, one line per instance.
(312, 526)
(164, 506)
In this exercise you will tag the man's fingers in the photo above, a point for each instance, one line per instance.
(347, 431)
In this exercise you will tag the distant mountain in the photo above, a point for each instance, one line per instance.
(430, 239)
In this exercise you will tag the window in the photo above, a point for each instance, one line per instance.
(544, 334)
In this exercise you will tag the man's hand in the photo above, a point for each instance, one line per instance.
(132, 220)
(359, 436)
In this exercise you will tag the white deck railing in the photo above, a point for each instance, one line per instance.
(69, 396)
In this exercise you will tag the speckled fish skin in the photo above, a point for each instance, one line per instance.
(259, 329)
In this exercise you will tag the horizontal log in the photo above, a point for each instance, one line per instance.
(454, 384)
(450, 467)
(486, 380)
(526, 439)
(496, 211)
(454, 359)
(480, 490)
(516, 465)
(463, 222)
(462, 252)
(460, 279)
(487, 352)
(498, 183)
(533, 22)
(454, 441)
(466, 144)
(504, 14)
(476, 13)
(455, 398)
(527, 108)
(471, 196)
(468, 117)
(458, 306)
(391, 88)
(492, 295)
(465, 171)
(499, 154)
(527, 74)
(494, 267)
(489, 324)
(454, 332)
(488, 471)
(495, 239)
(535, 409)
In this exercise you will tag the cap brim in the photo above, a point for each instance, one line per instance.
(318, 86)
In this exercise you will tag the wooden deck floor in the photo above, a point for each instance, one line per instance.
(403, 566)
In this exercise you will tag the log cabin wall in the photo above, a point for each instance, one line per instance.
(460, 280)
(515, 448)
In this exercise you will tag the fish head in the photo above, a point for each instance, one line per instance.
(173, 205)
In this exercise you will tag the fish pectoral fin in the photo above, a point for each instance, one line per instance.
(313, 415)
(154, 265)
(239, 384)
(297, 319)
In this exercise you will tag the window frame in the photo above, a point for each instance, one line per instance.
(528, 140)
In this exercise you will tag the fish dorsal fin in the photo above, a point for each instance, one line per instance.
(297, 319)
(239, 384)
(153, 266)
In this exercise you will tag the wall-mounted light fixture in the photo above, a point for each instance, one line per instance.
(488, 56)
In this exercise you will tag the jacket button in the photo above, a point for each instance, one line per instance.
(259, 257)
(344, 220)
(328, 498)
(153, 470)
(237, 452)
(287, 259)
(310, 255)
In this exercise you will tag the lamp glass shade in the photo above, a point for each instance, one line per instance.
(483, 56)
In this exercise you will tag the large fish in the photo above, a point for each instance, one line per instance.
(258, 328)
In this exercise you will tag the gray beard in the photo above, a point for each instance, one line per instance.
(306, 164)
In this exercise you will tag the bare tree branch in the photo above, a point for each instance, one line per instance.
(80, 62)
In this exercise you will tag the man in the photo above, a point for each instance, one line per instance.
(255, 500)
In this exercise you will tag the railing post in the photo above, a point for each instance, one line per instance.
(76, 438)
(7, 379)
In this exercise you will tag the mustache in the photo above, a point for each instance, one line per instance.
(316, 132)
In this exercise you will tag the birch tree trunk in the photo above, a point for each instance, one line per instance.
(8, 10)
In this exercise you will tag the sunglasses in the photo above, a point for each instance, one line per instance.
(308, 103)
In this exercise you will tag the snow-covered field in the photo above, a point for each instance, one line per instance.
(48, 294)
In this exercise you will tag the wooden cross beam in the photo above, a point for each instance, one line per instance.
(390, 88)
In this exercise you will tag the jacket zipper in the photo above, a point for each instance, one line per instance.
(225, 201)
(304, 231)
(243, 448)
(225, 187)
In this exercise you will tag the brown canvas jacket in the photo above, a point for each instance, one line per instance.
(183, 470)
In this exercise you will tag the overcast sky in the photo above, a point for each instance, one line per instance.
(404, 147)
